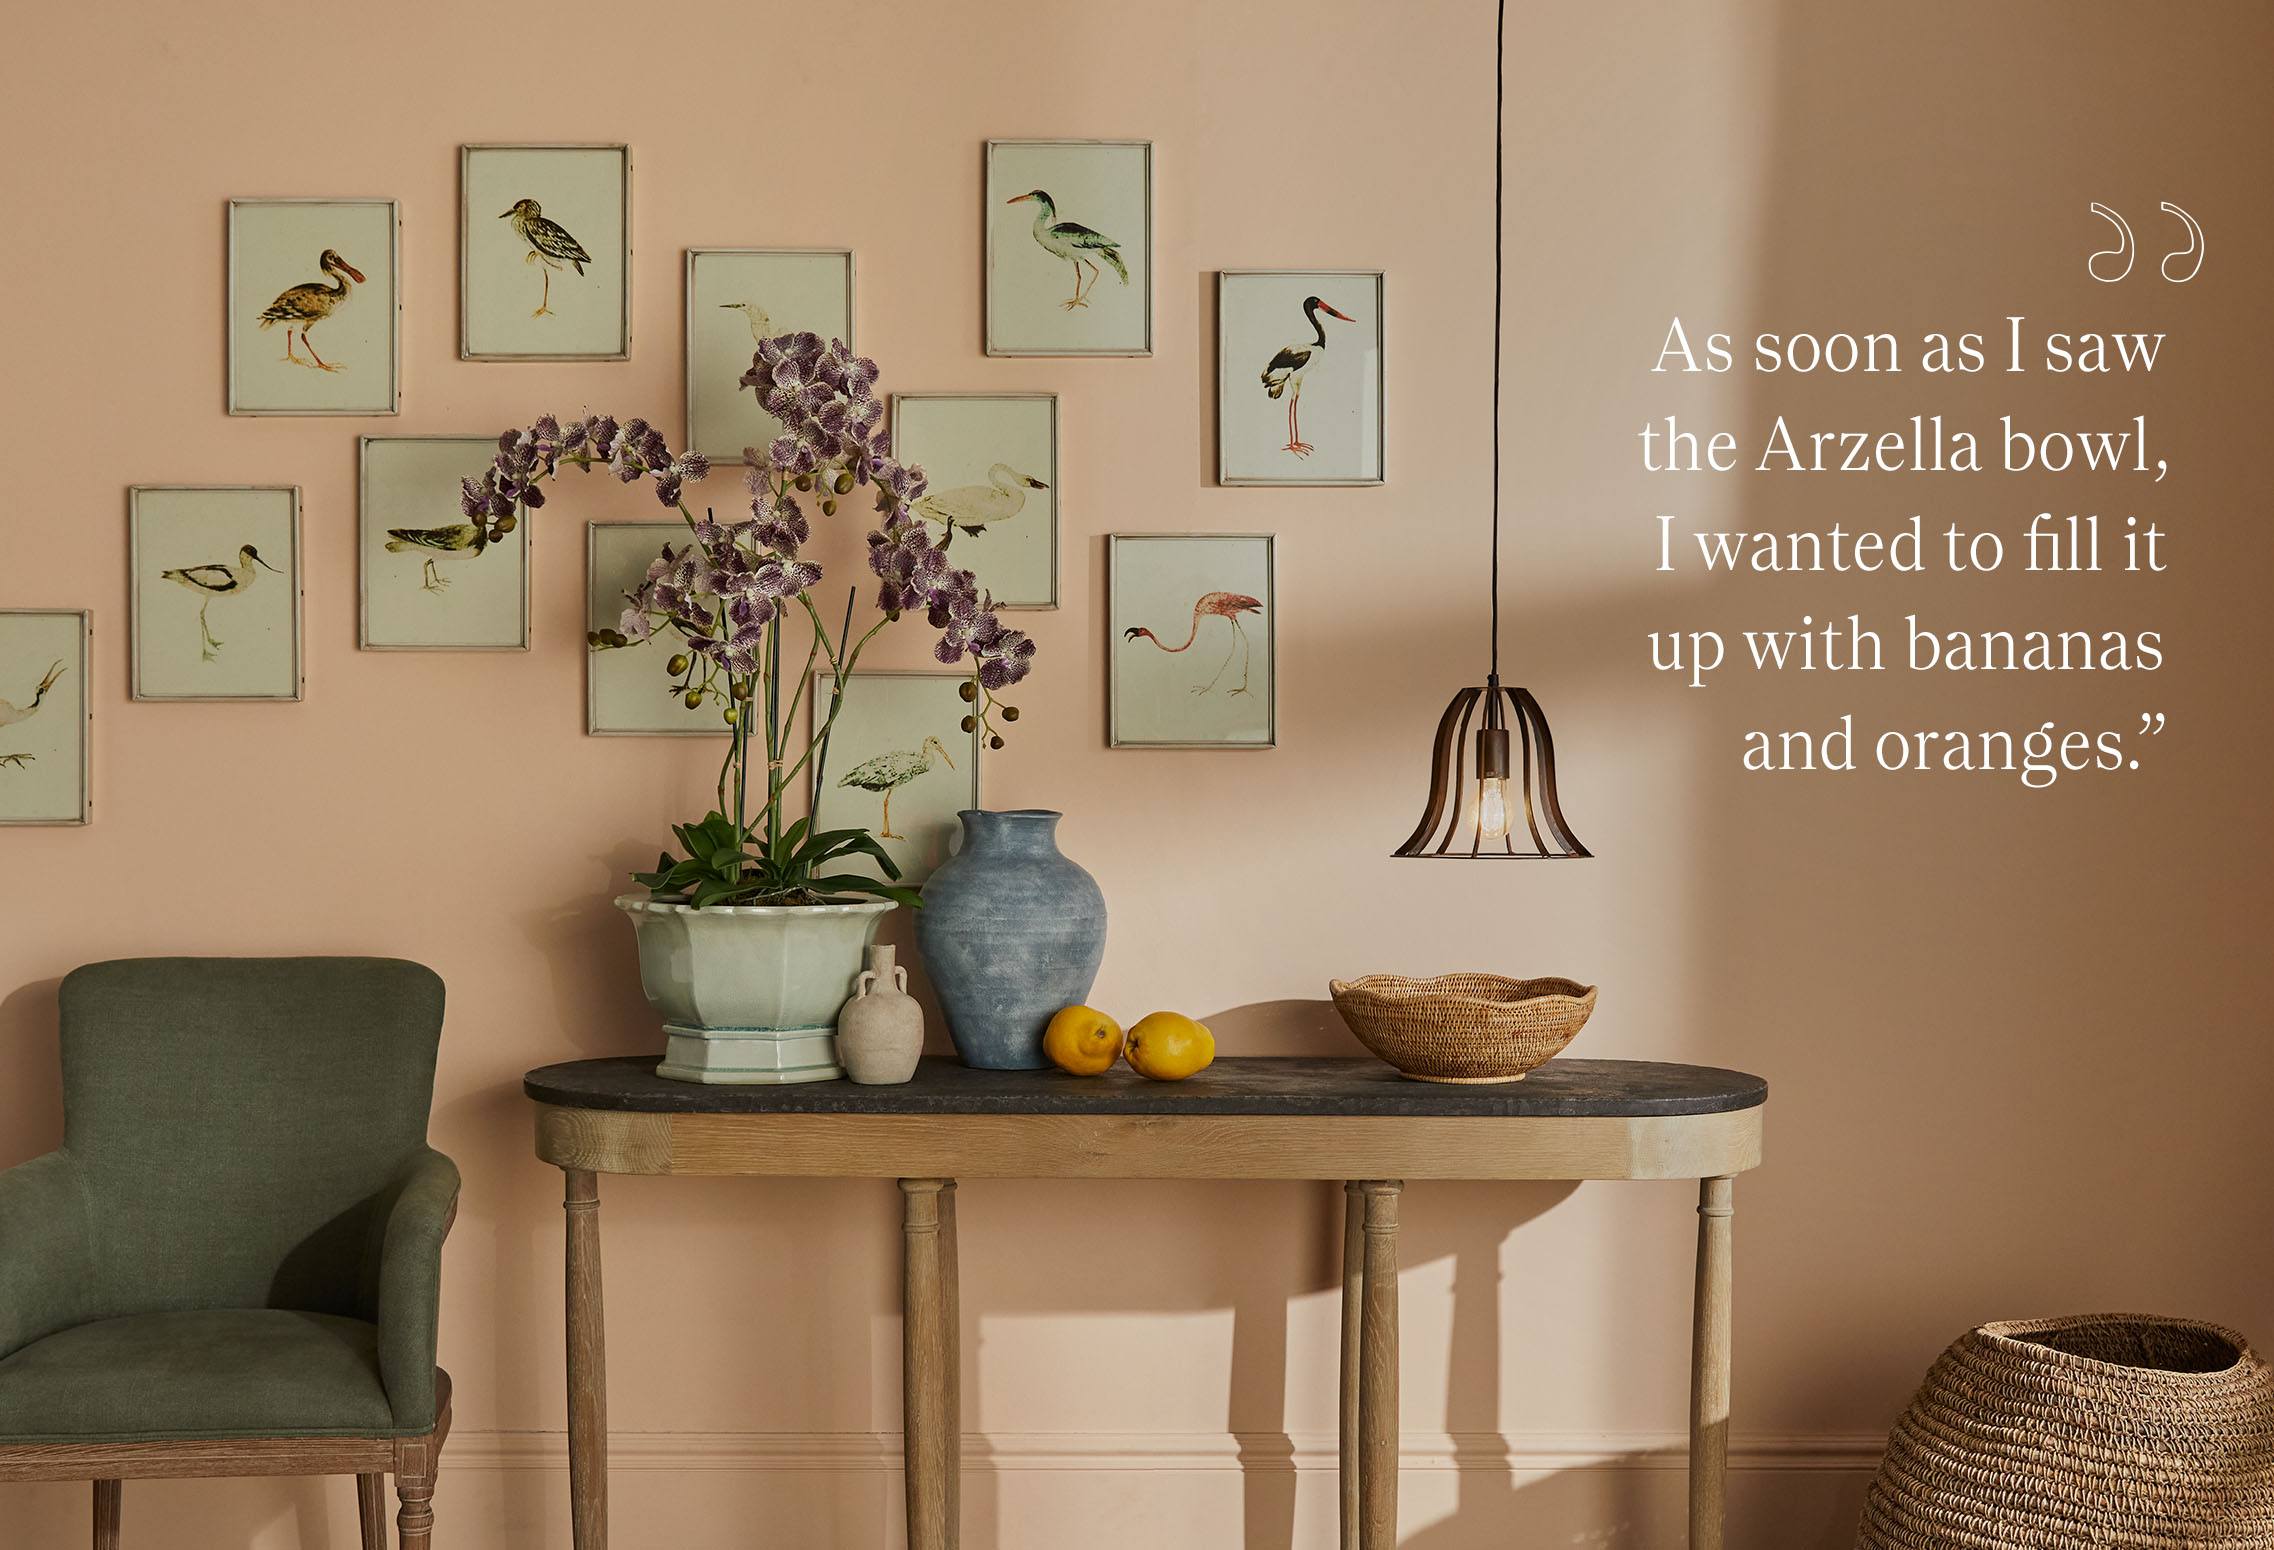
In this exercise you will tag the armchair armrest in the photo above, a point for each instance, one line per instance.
(47, 1250)
(404, 1297)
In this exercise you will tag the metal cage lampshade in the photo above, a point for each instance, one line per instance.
(1484, 803)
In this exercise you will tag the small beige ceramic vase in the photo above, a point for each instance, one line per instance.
(880, 1033)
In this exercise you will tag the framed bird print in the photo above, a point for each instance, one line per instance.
(214, 591)
(898, 764)
(1299, 376)
(1069, 260)
(545, 252)
(992, 502)
(315, 306)
(1191, 622)
(433, 577)
(736, 297)
(626, 693)
(45, 746)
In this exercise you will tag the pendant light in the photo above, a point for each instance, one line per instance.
(1493, 805)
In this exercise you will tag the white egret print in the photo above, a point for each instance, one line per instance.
(1069, 247)
(1299, 377)
(44, 745)
(993, 501)
(737, 297)
(215, 568)
(441, 571)
(11, 714)
(899, 763)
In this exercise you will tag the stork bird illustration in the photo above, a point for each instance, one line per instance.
(1284, 376)
(888, 772)
(1223, 605)
(11, 714)
(761, 326)
(304, 306)
(549, 245)
(212, 581)
(972, 507)
(1073, 242)
(456, 541)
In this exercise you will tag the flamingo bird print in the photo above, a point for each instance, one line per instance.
(1222, 605)
(974, 507)
(888, 772)
(549, 245)
(458, 540)
(304, 306)
(1075, 243)
(11, 714)
(1284, 376)
(212, 581)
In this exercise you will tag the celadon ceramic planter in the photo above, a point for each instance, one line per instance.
(750, 992)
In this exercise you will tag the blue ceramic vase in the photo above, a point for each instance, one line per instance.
(1011, 931)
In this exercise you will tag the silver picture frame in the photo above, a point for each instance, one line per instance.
(85, 668)
(134, 593)
(687, 283)
(1115, 543)
(712, 727)
(521, 535)
(466, 154)
(991, 196)
(394, 311)
(1381, 396)
(1057, 482)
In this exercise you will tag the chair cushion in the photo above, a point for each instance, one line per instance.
(212, 1373)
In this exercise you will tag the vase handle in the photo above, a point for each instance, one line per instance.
(861, 985)
(900, 978)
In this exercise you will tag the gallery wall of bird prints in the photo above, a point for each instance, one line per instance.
(313, 326)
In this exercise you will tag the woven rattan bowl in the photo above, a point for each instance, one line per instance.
(1463, 1027)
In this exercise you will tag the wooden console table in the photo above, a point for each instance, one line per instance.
(1353, 1120)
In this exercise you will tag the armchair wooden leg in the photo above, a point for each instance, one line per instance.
(371, 1510)
(107, 1504)
(414, 1485)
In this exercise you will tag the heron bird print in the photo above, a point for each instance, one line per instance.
(761, 326)
(972, 508)
(550, 247)
(302, 307)
(888, 772)
(1075, 243)
(1227, 606)
(1284, 376)
(11, 714)
(215, 581)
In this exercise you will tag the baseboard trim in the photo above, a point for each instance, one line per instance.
(1171, 1452)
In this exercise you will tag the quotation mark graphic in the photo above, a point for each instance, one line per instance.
(2189, 257)
(2151, 724)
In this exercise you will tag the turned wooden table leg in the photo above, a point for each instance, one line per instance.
(371, 1510)
(1378, 1371)
(1709, 1367)
(587, 1366)
(1353, 1294)
(928, 1361)
(107, 1505)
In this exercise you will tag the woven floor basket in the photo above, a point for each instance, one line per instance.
(2106, 1431)
(1463, 1027)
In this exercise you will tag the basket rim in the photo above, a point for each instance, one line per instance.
(1408, 988)
(2009, 1336)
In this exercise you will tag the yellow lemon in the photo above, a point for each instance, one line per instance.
(1083, 1040)
(1169, 1047)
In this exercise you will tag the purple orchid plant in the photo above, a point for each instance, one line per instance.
(721, 598)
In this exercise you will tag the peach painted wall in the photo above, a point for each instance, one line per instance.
(2017, 1040)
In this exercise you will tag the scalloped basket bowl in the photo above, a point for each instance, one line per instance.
(1464, 1027)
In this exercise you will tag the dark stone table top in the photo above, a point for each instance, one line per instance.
(1271, 1084)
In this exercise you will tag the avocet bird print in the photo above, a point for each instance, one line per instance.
(304, 306)
(972, 507)
(1222, 605)
(888, 772)
(456, 541)
(11, 714)
(1284, 376)
(212, 581)
(550, 245)
(1075, 243)
(761, 326)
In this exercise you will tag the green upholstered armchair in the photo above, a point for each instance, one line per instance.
(232, 1264)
